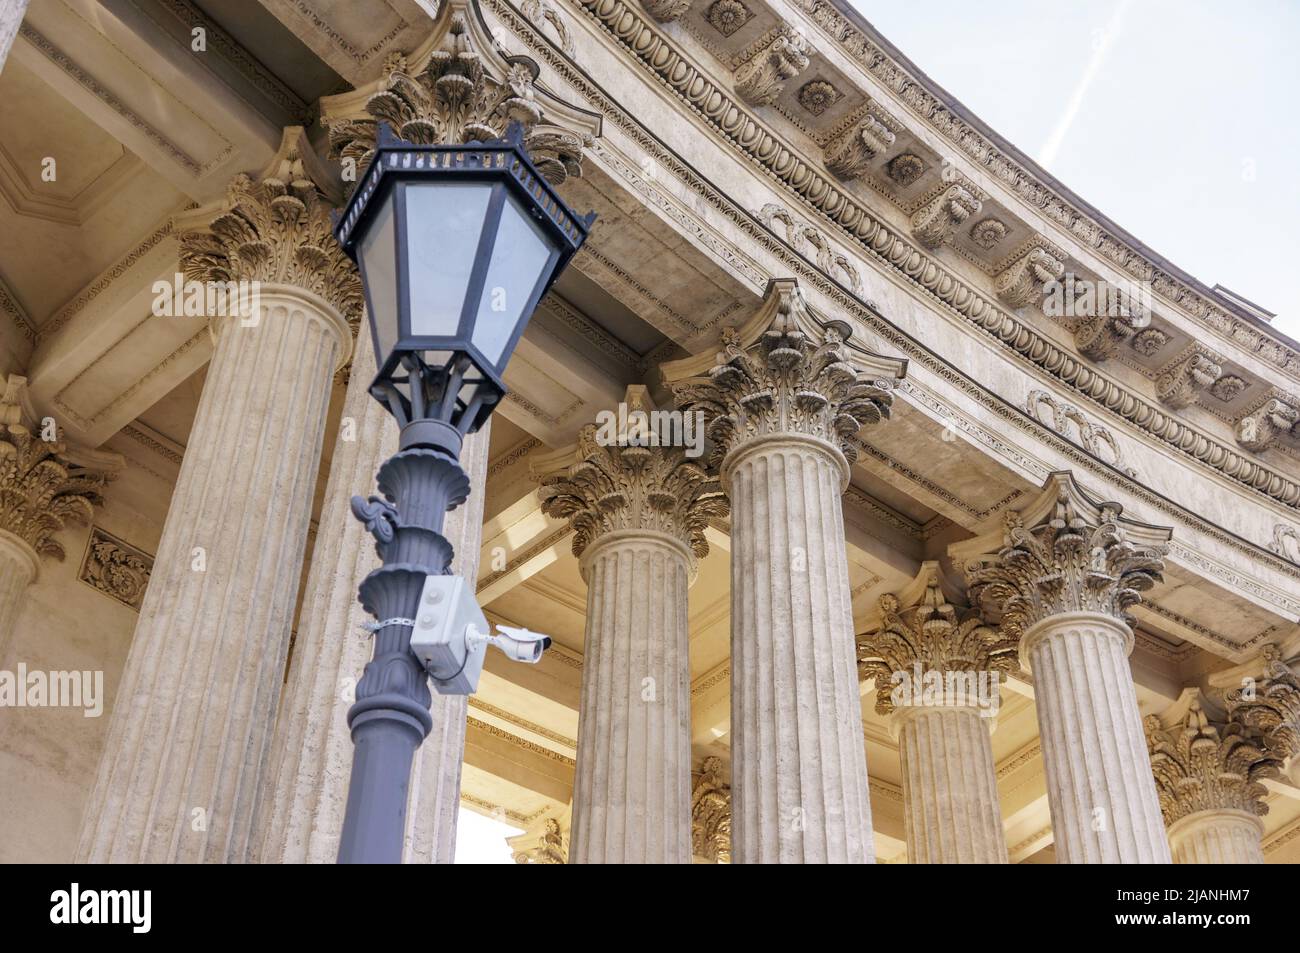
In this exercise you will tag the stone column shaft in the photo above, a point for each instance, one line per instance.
(632, 788)
(19, 566)
(799, 771)
(1103, 799)
(191, 729)
(950, 787)
(307, 787)
(1217, 837)
(11, 19)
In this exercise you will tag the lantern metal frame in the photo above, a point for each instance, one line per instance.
(460, 386)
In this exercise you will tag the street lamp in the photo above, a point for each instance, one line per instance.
(456, 244)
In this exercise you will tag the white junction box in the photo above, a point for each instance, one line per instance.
(448, 636)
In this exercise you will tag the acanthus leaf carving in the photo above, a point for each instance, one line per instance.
(1200, 765)
(609, 483)
(934, 222)
(1187, 375)
(1063, 553)
(794, 375)
(275, 230)
(711, 813)
(932, 635)
(665, 11)
(43, 488)
(460, 93)
(1022, 278)
(1270, 705)
(849, 153)
(1272, 417)
(761, 79)
(1074, 425)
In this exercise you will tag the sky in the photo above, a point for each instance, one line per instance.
(1176, 119)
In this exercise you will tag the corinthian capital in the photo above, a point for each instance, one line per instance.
(783, 373)
(711, 814)
(274, 229)
(460, 87)
(44, 484)
(614, 481)
(1270, 705)
(761, 79)
(1200, 765)
(922, 632)
(1062, 553)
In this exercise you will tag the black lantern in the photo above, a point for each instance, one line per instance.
(456, 245)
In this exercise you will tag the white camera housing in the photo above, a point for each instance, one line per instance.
(451, 635)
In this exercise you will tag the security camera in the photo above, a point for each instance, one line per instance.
(450, 636)
(520, 644)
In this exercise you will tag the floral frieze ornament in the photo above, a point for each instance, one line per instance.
(1062, 553)
(115, 568)
(461, 87)
(728, 16)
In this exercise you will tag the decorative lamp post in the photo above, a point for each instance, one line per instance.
(456, 244)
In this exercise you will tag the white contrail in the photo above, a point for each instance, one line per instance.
(1053, 145)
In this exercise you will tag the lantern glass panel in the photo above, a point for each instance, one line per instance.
(444, 221)
(378, 260)
(522, 256)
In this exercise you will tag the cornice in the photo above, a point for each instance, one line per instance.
(858, 41)
(741, 128)
(752, 231)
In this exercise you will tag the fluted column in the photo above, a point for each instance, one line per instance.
(306, 790)
(190, 737)
(938, 671)
(785, 398)
(639, 514)
(950, 786)
(18, 570)
(1066, 572)
(1224, 836)
(11, 18)
(1209, 776)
